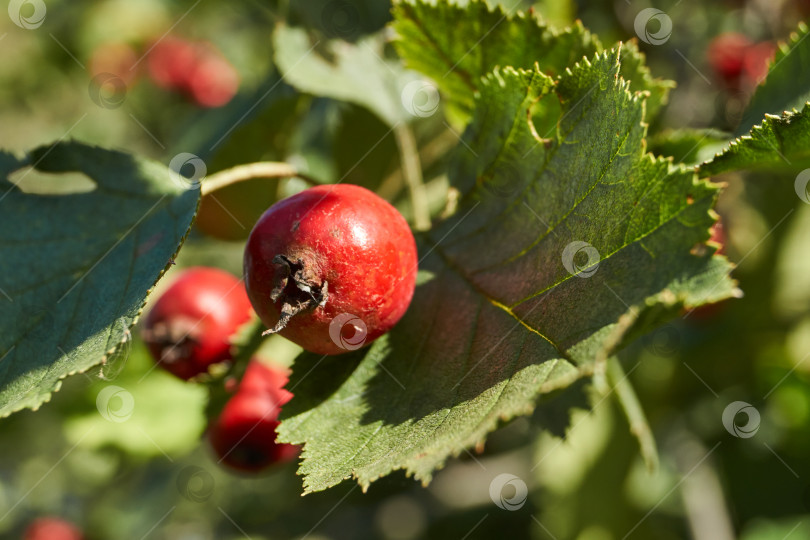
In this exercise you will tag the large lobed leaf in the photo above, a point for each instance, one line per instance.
(75, 269)
(457, 43)
(498, 320)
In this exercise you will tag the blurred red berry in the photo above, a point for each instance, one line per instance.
(170, 62)
(213, 80)
(738, 62)
(52, 529)
(196, 69)
(244, 434)
(756, 61)
(726, 56)
(260, 378)
(190, 326)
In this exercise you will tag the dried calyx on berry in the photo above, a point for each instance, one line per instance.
(190, 326)
(297, 289)
(327, 256)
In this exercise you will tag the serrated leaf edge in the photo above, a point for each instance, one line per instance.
(767, 122)
(46, 397)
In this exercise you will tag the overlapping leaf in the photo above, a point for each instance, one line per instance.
(787, 86)
(687, 145)
(507, 311)
(356, 73)
(75, 269)
(781, 142)
(457, 43)
(775, 130)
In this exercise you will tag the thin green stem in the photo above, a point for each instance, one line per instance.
(412, 173)
(628, 400)
(249, 171)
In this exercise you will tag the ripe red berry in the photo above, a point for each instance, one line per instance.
(190, 326)
(331, 268)
(244, 434)
(52, 529)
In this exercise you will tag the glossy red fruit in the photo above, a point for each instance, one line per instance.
(52, 529)
(332, 268)
(244, 434)
(190, 326)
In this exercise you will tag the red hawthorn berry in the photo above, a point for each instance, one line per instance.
(261, 378)
(190, 326)
(332, 268)
(197, 69)
(756, 60)
(213, 81)
(170, 62)
(51, 528)
(244, 434)
(726, 56)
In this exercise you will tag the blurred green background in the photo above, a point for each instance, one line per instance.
(151, 475)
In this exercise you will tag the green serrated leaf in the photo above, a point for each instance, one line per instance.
(75, 269)
(779, 142)
(511, 313)
(457, 43)
(774, 132)
(787, 86)
(455, 366)
(634, 69)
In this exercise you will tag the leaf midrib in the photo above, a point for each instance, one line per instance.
(509, 308)
(549, 155)
(553, 227)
